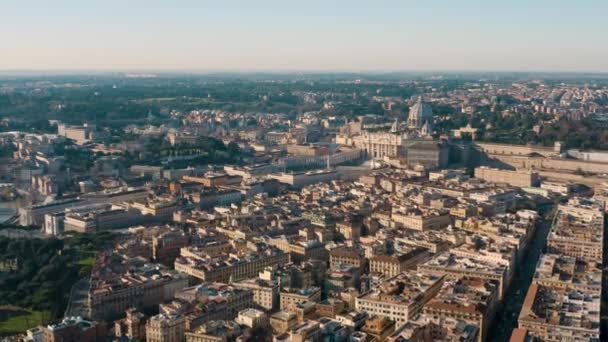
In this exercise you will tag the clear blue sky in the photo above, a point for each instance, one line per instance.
(208, 35)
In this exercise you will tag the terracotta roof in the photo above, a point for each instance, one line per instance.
(519, 335)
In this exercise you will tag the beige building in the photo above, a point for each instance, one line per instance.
(350, 230)
(519, 150)
(81, 134)
(422, 220)
(578, 231)
(301, 179)
(265, 293)
(393, 265)
(520, 178)
(600, 194)
(165, 328)
(401, 297)
(210, 302)
(140, 288)
(308, 150)
(344, 256)
(456, 267)
(469, 299)
(87, 222)
(159, 208)
(235, 269)
(558, 314)
(214, 179)
(305, 332)
(283, 321)
(215, 331)
(378, 327)
(133, 326)
(252, 318)
(181, 139)
(290, 298)
(465, 131)
(565, 272)
(543, 158)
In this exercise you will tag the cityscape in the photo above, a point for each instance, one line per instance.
(300, 202)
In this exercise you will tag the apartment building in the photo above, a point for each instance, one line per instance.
(392, 265)
(233, 266)
(578, 230)
(418, 220)
(265, 293)
(346, 256)
(291, 297)
(472, 300)
(401, 297)
(118, 284)
(561, 314)
(74, 329)
(165, 328)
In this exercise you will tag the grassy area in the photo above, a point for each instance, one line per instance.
(86, 261)
(16, 320)
(47, 270)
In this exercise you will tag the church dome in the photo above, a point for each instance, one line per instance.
(420, 112)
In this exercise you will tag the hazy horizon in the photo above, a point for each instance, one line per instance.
(190, 36)
(86, 71)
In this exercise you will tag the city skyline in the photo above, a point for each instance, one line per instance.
(352, 36)
(320, 170)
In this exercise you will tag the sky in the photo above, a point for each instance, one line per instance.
(304, 35)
